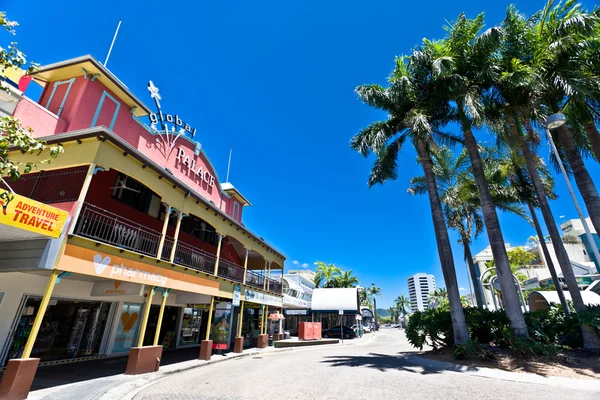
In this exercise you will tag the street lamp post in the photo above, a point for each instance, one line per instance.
(555, 121)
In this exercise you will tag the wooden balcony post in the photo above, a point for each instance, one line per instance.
(218, 254)
(269, 277)
(163, 236)
(245, 267)
(81, 199)
(180, 216)
(265, 276)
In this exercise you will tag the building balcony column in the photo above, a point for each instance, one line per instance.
(180, 216)
(219, 245)
(163, 236)
(245, 266)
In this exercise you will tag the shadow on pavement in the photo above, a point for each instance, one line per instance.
(385, 362)
(62, 374)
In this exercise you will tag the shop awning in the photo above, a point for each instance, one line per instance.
(542, 299)
(332, 300)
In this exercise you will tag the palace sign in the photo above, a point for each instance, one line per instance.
(190, 162)
(30, 215)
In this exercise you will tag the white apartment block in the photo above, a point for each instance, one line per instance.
(419, 287)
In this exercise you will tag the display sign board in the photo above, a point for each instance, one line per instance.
(30, 215)
(92, 262)
(296, 312)
(116, 288)
(127, 327)
(237, 293)
(263, 298)
(221, 325)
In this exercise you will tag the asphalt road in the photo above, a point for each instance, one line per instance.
(368, 368)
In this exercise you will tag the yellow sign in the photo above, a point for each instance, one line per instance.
(24, 213)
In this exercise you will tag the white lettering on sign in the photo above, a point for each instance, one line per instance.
(191, 164)
(122, 270)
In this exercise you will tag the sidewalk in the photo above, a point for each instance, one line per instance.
(571, 383)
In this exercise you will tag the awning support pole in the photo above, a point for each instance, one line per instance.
(145, 316)
(163, 302)
(240, 319)
(210, 313)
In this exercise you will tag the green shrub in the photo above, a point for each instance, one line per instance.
(485, 326)
(549, 330)
(552, 327)
(432, 327)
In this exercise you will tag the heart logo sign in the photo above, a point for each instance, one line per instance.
(100, 264)
(117, 284)
(128, 321)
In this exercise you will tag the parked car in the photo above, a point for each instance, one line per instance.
(336, 332)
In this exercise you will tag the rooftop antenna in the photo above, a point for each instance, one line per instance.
(228, 166)
(113, 41)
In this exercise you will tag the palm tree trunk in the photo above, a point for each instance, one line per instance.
(549, 263)
(594, 135)
(589, 126)
(582, 177)
(474, 277)
(459, 324)
(494, 232)
(591, 340)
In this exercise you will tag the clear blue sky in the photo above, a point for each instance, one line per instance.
(274, 81)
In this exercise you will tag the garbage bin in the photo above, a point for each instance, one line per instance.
(286, 334)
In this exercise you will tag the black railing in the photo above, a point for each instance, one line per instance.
(104, 226)
(275, 286)
(230, 271)
(254, 279)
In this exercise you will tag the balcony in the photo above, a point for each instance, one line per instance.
(254, 279)
(101, 225)
(190, 257)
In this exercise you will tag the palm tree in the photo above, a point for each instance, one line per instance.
(402, 304)
(345, 280)
(326, 274)
(414, 115)
(462, 65)
(461, 203)
(373, 292)
(519, 180)
(516, 99)
(561, 40)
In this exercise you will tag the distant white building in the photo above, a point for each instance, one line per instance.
(305, 273)
(419, 287)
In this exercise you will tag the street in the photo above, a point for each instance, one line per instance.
(369, 368)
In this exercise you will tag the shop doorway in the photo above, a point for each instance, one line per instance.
(70, 329)
(168, 330)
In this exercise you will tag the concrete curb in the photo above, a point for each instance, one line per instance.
(522, 377)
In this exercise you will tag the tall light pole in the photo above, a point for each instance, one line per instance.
(555, 121)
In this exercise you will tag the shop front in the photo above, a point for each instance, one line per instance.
(70, 329)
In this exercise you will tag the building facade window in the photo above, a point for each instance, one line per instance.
(236, 211)
(199, 229)
(134, 194)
